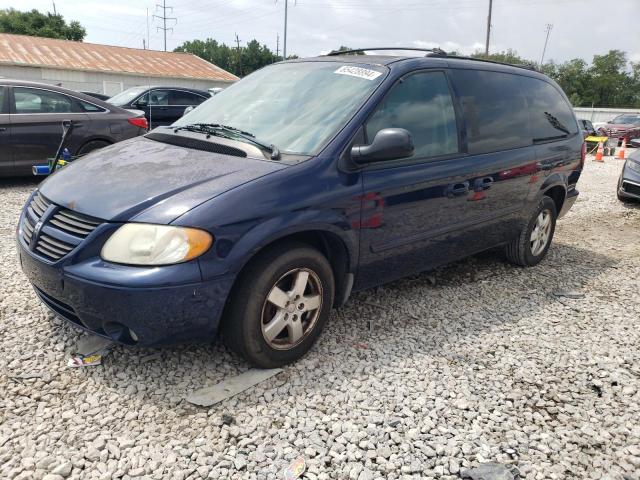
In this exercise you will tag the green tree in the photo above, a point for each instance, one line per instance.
(239, 61)
(39, 24)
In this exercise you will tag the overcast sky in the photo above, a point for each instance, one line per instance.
(581, 28)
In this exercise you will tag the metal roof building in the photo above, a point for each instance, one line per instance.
(103, 68)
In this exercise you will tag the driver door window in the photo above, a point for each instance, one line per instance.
(420, 103)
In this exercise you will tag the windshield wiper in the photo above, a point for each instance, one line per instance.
(231, 133)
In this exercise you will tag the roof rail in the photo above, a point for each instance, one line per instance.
(433, 52)
(526, 66)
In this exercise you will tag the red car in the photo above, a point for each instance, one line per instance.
(625, 126)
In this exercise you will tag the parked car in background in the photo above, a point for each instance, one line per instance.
(265, 207)
(31, 116)
(625, 126)
(586, 127)
(629, 181)
(161, 105)
(99, 96)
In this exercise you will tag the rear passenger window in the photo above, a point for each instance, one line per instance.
(551, 115)
(90, 107)
(420, 103)
(494, 109)
(182, 98)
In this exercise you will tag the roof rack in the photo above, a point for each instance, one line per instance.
(433, 52)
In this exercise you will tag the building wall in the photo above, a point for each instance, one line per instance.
(600, 115)
(108, 83)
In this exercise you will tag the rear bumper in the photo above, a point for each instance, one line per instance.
(571, 198)
(157, 315)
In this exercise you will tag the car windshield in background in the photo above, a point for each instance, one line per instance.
(626, 119)
(296, 106)
(123, 98)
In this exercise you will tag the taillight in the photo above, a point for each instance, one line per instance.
(140, 122)
(583, 154)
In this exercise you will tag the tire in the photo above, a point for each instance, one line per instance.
(91, 146)
(524, 251)
(270, 335)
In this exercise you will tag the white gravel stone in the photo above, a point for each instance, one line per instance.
(475, 362)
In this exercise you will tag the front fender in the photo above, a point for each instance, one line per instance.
(231, 256)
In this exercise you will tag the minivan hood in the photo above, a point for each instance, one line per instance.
(148, 181)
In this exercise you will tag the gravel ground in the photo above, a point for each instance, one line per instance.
(475, 362)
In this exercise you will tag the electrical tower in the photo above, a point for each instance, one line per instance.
(164, 19)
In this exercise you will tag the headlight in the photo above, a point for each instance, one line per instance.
(146, 244)
(635, 166)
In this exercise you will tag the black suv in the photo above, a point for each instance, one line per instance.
(161, 105)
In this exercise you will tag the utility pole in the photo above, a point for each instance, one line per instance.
(286, 21)
(239, 56)
(164, 19)
(144, 44)
(148, 44)
(277, 46)
(549, 27)
(284, 47)
(486, 48)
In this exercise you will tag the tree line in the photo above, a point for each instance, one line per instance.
(36, 24)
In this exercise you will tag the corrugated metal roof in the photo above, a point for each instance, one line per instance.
(69, 55)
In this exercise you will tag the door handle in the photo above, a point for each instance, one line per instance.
(77, 124)
(3, 129)
(457, 189)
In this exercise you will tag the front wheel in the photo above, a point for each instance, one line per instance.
(534, 240)
(280, 305)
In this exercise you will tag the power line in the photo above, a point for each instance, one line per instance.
(164, 19)
(549, 27)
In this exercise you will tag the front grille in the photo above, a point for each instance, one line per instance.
(73, 223)
(631, 188)
(61, 229)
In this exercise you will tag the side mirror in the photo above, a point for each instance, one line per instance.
(388, 144)
(188, 109)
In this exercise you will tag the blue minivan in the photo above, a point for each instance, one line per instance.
(310, 179)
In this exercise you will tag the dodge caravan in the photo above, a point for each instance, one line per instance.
(310, 179)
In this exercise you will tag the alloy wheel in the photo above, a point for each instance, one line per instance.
(541, 233)
(291, 309)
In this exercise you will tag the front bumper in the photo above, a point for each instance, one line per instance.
(629, 182)
(159, 314)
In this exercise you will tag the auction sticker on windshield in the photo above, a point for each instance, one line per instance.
(359, 72)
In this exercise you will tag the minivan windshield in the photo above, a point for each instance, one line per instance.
(297, 107)
(125, 97)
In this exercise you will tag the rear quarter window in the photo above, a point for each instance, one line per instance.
(494, 108)
(551, 115)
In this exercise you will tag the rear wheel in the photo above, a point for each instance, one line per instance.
(534, 240)
(280, 305)
(91, 146)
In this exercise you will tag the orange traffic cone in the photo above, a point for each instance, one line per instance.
(600, 152)
(623, 149)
